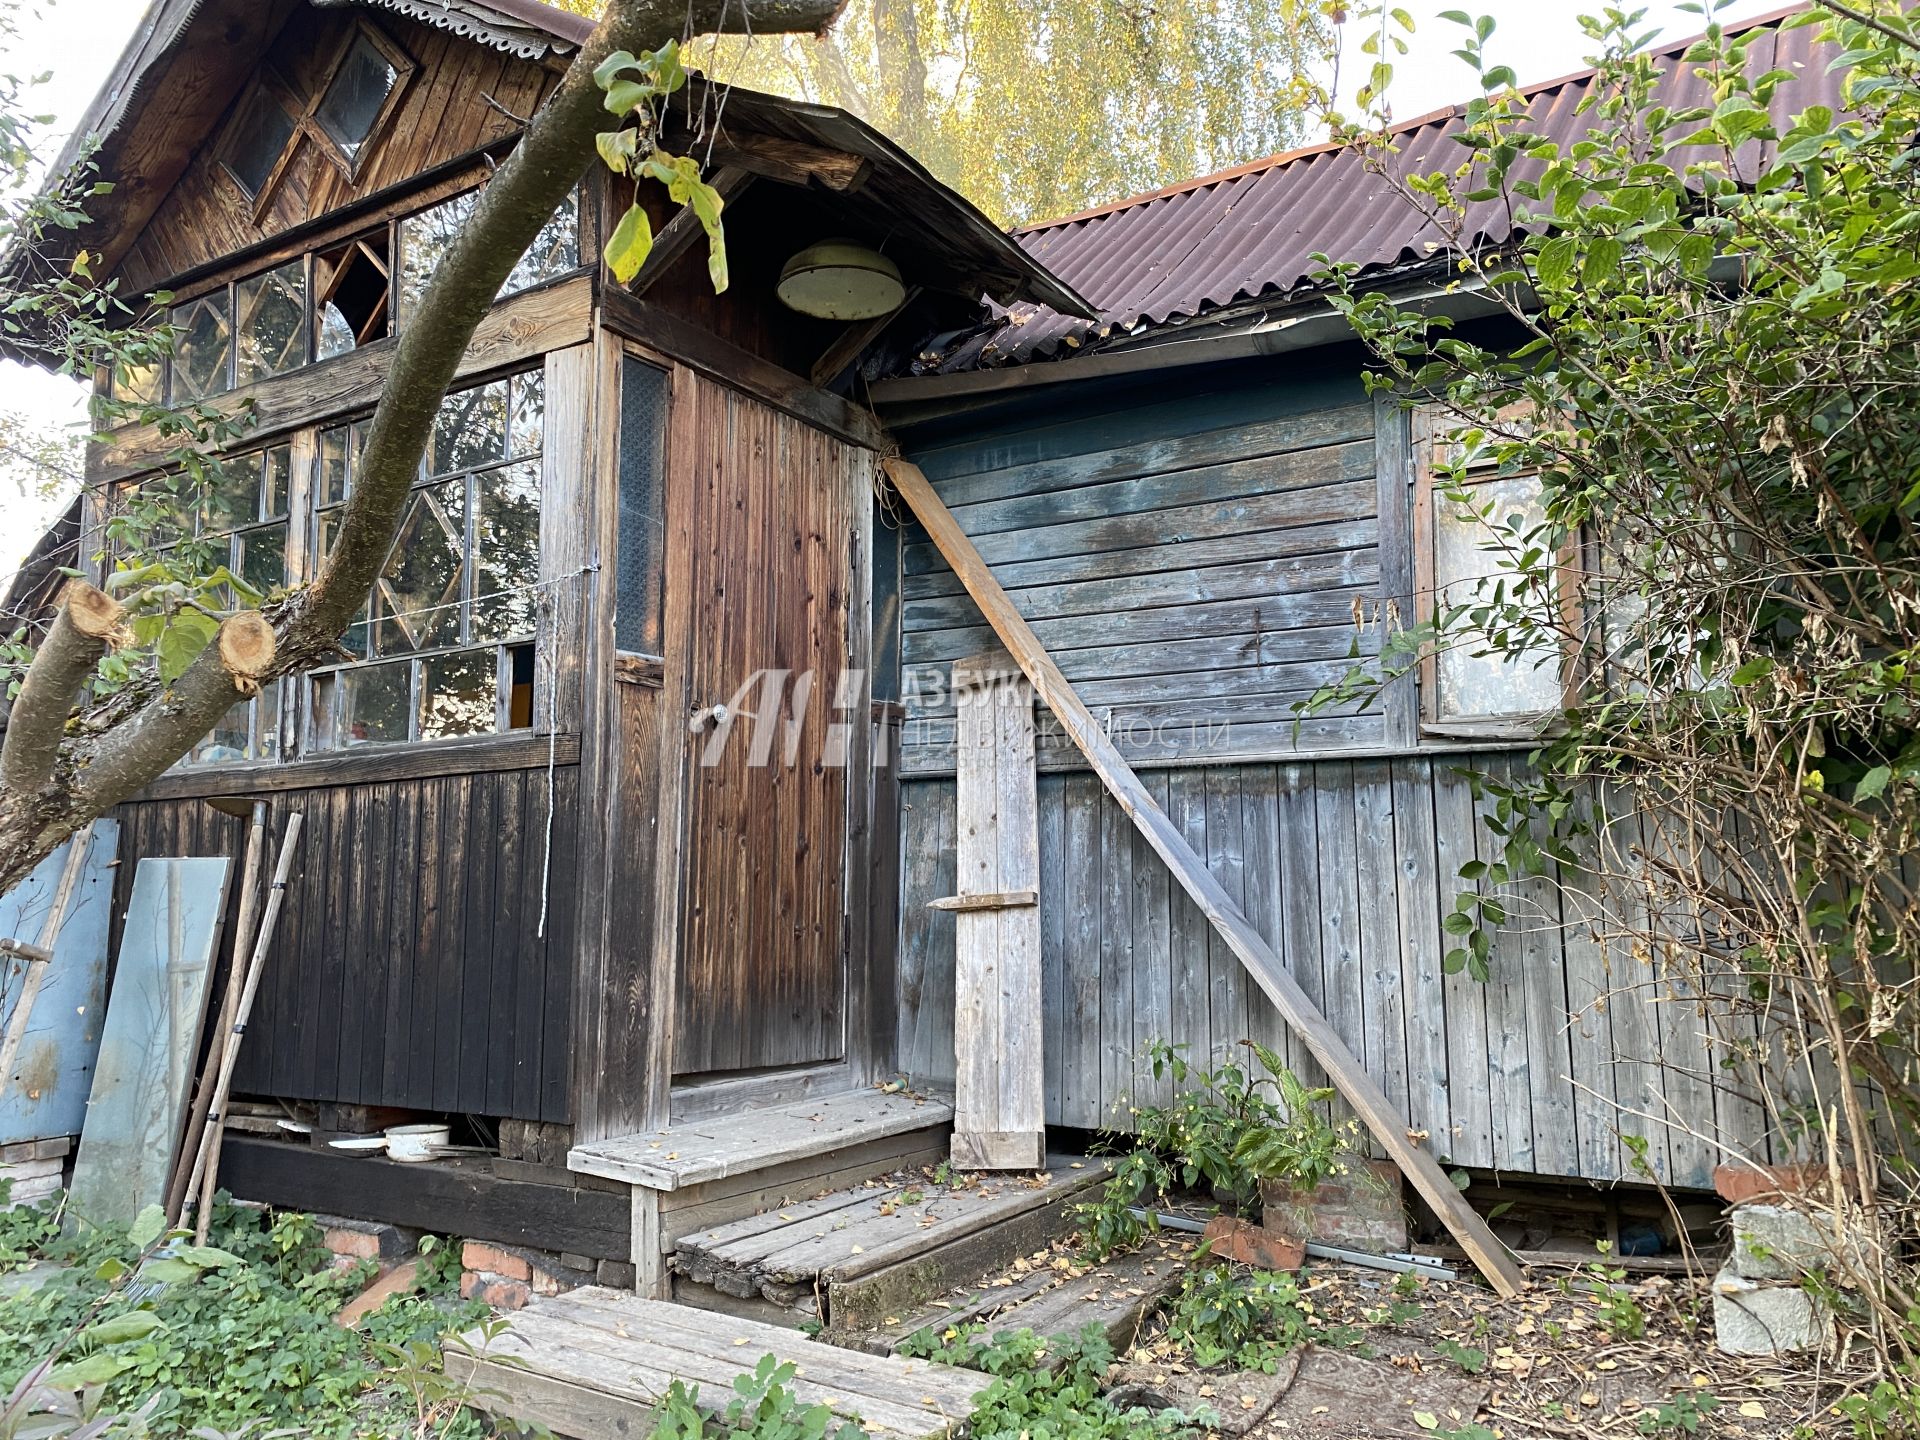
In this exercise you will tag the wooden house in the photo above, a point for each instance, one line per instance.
(664, 988)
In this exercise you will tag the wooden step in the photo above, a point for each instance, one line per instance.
(696, 1152)
(595, 1362)
(879, 1250)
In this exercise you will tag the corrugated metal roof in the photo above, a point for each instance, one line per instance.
(1251, 232)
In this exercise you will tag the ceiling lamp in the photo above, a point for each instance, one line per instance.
(841, 280)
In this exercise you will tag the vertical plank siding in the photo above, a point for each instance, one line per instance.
(1347, 878)
(407, 969)
(1198, 553)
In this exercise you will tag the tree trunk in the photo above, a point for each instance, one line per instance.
(84, 778)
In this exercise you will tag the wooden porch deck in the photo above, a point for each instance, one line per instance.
(594, 1362)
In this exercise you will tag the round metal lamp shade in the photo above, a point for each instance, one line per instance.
(839, 280)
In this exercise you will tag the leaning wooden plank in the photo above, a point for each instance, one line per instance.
(152, 1034)
(999, 1106)
(53, 1035)
(1347, 1074)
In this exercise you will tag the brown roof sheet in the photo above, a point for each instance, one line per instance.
(1251, 232)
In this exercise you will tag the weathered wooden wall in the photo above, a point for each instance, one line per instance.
(1192, 551)
(444, 114)
(406, 969)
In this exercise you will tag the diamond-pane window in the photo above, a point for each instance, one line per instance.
(426, 237)
(417, 597)
(272, 322)
(202, 348)
(257, 138)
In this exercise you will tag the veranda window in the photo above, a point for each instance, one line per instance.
(445, 645)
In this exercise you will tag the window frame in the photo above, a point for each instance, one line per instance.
(1431, 427)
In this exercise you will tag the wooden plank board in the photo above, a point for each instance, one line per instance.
(1349, 1076)
(691, 1154)
(999, 1110)
(45, 1095)
(150, 1040)
(616, 1354)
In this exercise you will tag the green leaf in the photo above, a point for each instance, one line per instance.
(630, 244)
(1554, 263)
(207, 1257)
(626, 96)
(180, 645)
(148, 1226)
(617, 148)
(1603, 261)
(1873, 783)
(717, 259)
(94, 1370)
(122, 1328)
(619, 60)
(169, 1272)
(1755, 669)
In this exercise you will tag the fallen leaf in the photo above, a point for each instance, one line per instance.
(1753, 1410)
(1426, 1419)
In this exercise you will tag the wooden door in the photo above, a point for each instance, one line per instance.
(762, 966)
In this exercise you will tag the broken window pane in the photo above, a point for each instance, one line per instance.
(470, 430)
(459, 695)
(374, 703)
(351, 295)
(508, 542)
(351, 105)
(1471, 559)
(202, 348)
(417, 597)
(256, 140)
(272, 322)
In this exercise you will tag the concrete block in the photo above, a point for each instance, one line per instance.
(618, 1274)
(1754, 1319)
(1775, 1242)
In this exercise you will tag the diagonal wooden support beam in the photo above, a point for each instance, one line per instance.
(1247, 943)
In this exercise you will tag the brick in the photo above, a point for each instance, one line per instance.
(1245, 1243)
(495, 1290)
(1754, 1319)
(1740, 1183)
(577, 1262)
(367, 1239)
(1362, 1210)
(400, 1280)
(618, 1274)
(491, 1258)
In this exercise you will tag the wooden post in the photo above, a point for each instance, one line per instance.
(41, 955)
(999, 1108)
(1226, 917)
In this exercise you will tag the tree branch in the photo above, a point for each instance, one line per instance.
(87, 621)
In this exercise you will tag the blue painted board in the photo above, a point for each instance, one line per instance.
(46, 1096)
(168, 947)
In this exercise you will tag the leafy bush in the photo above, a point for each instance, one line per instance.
(1044, 1389)
(1227, 1129)
(235, 1334)
(763, 1408)
(1248, 1320)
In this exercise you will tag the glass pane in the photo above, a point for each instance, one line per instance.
(417, 597)
(159, 511)
(232, 496)
(257, 140)
(340, 450)
(1470, 559)
(555, 250)
(262, 557)
(266, 723)
(276, 474)
(357, 639)
(202, 348)
(373, 703)
(228, 740)
(354, 97)
(458, 695)
(508, 540)
(336, 335)
(470, 430)
(136, 384)
(272, 322)
(526, 426)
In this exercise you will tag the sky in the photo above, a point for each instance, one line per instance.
(77, 41)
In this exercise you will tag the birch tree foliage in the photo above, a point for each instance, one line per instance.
(1037, 108)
